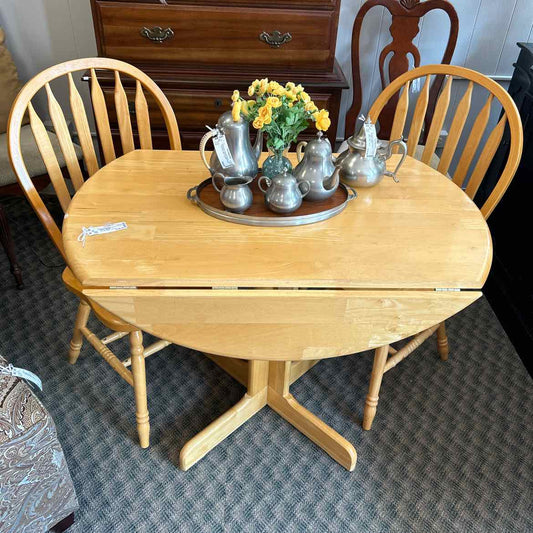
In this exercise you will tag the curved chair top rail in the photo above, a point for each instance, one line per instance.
(406, 15)
(470, 180)
(23, 104)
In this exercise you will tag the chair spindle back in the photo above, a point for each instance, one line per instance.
(469, 170)
(23, 104)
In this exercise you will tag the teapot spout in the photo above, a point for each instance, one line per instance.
(338, 158)
(332, 182)
(258, 144)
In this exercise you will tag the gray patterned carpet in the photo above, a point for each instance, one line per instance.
(451, 448)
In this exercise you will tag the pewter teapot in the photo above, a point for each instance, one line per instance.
(284, 192)
(358, 169)
(316, 166)
(242, 160)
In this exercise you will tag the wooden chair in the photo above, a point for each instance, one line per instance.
(468, 174)
(23, 103)
(406, 15)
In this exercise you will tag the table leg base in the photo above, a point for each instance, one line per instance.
(335, 445)
(268, 384)
(222, 427)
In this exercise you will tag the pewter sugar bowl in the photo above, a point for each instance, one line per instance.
(358, 169)
(316, 166)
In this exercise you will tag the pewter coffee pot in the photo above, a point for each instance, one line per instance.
(284, 192)
(316, 166)
(240, 157)
(359, 168)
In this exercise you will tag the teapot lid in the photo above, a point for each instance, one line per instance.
(358, 140)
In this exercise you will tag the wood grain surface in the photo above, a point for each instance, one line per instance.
(421, 233)
(282, 324)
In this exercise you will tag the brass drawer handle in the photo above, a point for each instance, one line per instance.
(157, 34)
(275, 39)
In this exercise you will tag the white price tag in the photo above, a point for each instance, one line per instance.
(222, 150)
(371, 139)
(110, 227)
(11, 370)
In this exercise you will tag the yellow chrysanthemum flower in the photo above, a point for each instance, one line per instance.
(304, 97)
(265, 114)
(310, 106)
(322, 120)
(289, 95)
(235, 96)
(263, 86)
(272, 86)
(290, 86)
(257, 123)
(273, 101)
(236, 111)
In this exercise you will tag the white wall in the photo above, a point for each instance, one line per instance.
(44, 32)
(41, 33)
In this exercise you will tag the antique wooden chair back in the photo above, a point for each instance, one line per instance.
(406, 15)
(470, 170)
(23, 104)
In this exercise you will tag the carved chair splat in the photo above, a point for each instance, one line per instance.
(406, 15)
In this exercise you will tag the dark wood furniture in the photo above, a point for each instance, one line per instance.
(9, 247)
(198, 53)
(509, 287)
(406, 15)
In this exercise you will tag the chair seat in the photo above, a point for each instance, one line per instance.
(32, 157)
(108, 319)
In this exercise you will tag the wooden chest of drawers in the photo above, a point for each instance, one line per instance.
(199, 52)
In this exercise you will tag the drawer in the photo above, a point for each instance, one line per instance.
(291, 4)
(217, 36)
(194, 109)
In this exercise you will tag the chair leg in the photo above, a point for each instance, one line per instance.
(7, 242)
(371, 405)
(442, 341)
(84, 310)
(139, 387)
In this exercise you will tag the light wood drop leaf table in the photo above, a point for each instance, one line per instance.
(267, 303)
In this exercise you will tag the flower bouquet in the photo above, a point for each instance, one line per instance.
(282, 112)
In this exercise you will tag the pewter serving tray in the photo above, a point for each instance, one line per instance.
(207, 199)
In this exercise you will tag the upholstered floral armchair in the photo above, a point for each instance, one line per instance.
(36, 491)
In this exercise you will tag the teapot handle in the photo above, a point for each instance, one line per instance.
(268, 182)
(403, 148)
(203, 142)
(299, 146)
(307, 186)
(214, 178)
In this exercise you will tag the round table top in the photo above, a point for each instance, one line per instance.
(420, 233)
(181, 275)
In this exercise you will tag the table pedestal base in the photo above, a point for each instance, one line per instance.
(268, 384)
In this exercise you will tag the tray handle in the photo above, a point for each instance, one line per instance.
(352, 193)
(192, 194)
